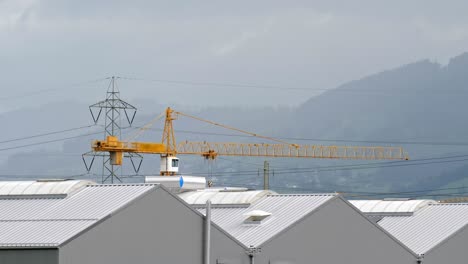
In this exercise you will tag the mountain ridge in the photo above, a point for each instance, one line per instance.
(420, 102)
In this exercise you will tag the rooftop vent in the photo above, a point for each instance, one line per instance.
(256, 216)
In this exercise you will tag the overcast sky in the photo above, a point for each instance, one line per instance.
(54, 44)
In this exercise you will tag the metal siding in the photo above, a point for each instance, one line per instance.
(158, 228)
(452, 251)
(334, 234)
(428, 227)
(21, 209)
(50, 222)
(285, 210)
(28, 256)
(51, 233)
(94, 202)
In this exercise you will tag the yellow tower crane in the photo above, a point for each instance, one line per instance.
(168, 149)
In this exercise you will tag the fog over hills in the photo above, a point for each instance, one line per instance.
(421, 102)
(420, 106)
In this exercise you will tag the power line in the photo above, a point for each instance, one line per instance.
(407, 194)
(42, 154)
(337, 167)
(426, 191)
(380, 166)
(252, 173)
(217, 84)
(48, 141)
(239, 161)
(234, 85)
(412, 194)
(61, 176)
(48, 90)
(455, 194)
(51, 141)
(287, 88)
(429, 143)
(56, 132)
(45, 134)
(347, 193)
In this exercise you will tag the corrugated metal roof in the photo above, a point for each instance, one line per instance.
(95, 202)
(47, 233)
(220, 196)
(50, 222)
(15, 209)
(44, 187)
(428, 227)
(385, 206)
(285, 210)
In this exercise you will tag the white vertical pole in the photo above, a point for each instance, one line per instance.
(207, 232)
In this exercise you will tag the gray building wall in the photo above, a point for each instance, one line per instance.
(453, 250)
(28, 256)
(226, 251)
(157, 228)
(336, 233)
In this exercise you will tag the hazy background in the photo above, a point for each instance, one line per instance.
(263, 66)
(304, 44)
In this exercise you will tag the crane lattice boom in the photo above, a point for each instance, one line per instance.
(210, 150)
(168, 148)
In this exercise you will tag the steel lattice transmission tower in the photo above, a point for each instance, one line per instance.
(114, 109)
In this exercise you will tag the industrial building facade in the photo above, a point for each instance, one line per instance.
(70, 222)
(309, 228)
(438, 233)
(140, 223)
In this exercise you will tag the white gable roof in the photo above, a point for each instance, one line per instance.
(49, 222)
(285, 210)
(428, 227)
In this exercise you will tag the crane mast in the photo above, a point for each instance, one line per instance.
(168, 149)
(169, 162)
(168, 134)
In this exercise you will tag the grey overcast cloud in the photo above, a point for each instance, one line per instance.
(47, 47)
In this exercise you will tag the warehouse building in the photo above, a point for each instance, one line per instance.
(81, 222)
(312, 228)
(438, 233)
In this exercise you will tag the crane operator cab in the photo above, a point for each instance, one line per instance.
(169, 165)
